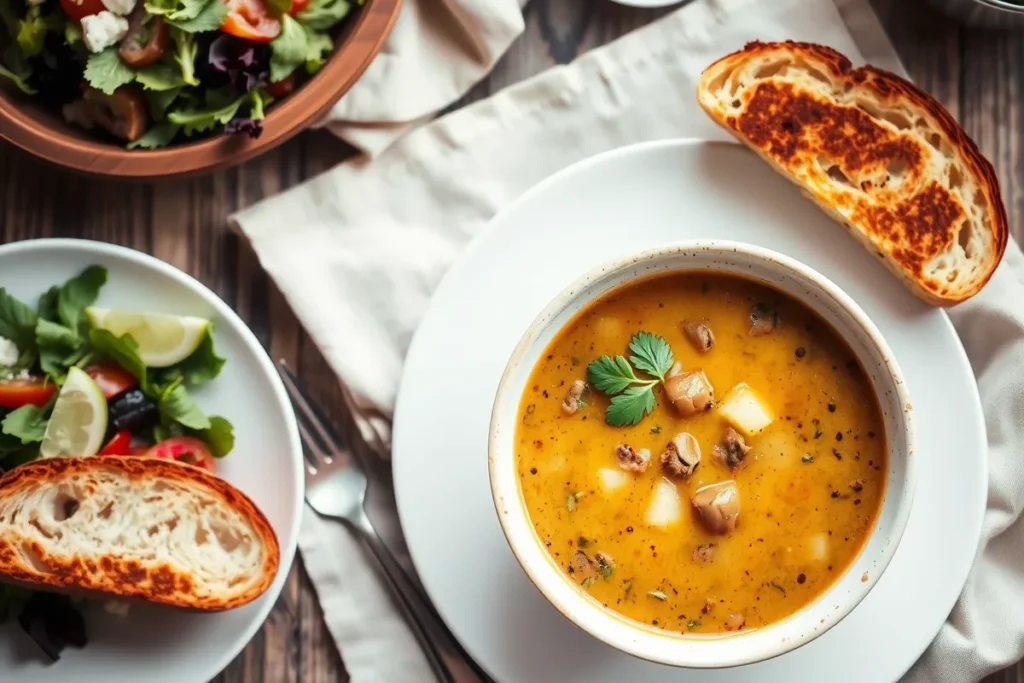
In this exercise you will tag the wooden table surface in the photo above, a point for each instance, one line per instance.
(977, 74)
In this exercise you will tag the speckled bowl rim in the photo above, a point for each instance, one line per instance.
(362, 41)
(652, 644)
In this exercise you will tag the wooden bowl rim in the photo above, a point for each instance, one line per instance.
(284, 120)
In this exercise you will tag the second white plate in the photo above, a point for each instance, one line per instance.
(633, 199)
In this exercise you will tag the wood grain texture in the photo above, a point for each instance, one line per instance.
(977, 74)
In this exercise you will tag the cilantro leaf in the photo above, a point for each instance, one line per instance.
(159, 135)
(122, 350)
(27, 423)
(208, 18)
(176, 404)
(321, 15)
(79, 293)
(652, 354)
(17, 322)
(611, 375)
(219, 436)
(106, 72)
(198, 120)
(629, 407)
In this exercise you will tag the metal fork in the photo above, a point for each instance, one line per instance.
(336, 487)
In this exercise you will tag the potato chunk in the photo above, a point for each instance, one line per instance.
(745, 410)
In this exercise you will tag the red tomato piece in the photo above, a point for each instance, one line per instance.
(183, 449)
(282, 88)
(111, 379)
(252, 20)
(119, 444)
(15, 393)
(77, 9)
(298, 6)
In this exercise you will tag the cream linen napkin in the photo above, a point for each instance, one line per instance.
(437, 50)
(358, 251)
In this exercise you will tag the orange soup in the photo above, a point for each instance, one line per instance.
(701, 453)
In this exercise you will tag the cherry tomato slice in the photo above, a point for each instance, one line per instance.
(15, 393)
(298, 6)
(183, 449)
(282, 88)
(119, 444)
(250, 19)
(77, 9)
(111, 379)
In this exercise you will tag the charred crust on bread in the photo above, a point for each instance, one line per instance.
(26, 562)
(797, 123)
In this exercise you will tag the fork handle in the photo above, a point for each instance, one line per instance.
(445, 656)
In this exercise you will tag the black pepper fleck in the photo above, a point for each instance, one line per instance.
(801, 352)
(801, 578)
(533, 470)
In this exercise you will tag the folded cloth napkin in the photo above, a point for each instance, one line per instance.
(437, 50)
(358, 251)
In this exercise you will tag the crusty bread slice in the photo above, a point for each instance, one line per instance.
(877, 153)
(135, 528)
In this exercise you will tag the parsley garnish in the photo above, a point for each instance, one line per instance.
(693, 623)
(632, 396)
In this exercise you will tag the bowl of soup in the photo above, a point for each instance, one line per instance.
(703, 454)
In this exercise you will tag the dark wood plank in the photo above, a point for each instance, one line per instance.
(976, 74)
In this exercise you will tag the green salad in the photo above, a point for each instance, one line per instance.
(79, 380)
(149, 73)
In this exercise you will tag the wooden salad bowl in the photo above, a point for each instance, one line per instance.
(44, 133)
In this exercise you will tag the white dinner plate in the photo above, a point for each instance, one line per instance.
(159, 644)
(618, 203)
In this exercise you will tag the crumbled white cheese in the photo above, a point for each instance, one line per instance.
(100, 31)
(8, 353)
(120, 7)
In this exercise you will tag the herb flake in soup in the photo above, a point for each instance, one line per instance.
(701, 453)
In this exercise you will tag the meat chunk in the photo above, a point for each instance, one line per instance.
(718, 506)
(763, 319)
(582, 565)
(735, 621)
(700, 335)
(681, 456)
(703, 554)
(732, 450)
(571, 402)
(690, 392)
(632, 460)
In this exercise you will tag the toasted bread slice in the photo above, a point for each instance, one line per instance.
(877, 153)
(135, 528)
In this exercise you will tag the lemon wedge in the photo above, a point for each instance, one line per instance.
(163, 339)
(79, 420)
